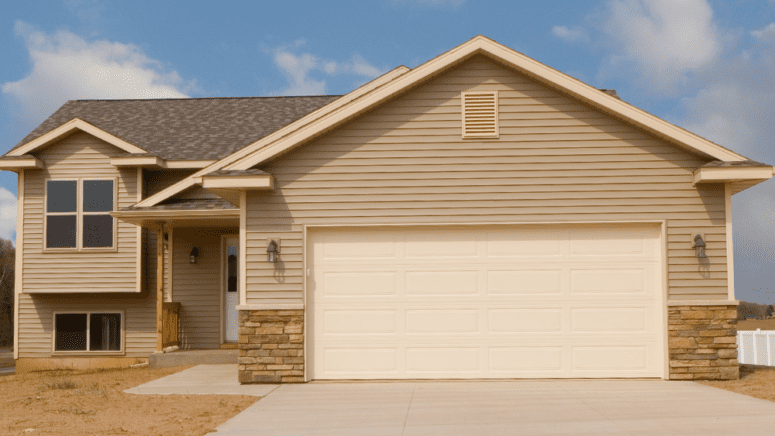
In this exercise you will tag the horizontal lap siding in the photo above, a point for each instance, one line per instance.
(555, 160)
(197, 287)
(80, 155)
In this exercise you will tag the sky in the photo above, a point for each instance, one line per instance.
(707, 66)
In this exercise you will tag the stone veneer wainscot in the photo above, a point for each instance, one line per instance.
(702, 342)
(271, 346)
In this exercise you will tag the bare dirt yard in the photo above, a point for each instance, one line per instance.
(753, 324)
(755, 381)
(92, 403)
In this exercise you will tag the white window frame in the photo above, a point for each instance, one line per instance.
(79, 216)
(88, 314)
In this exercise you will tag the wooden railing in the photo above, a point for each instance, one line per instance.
(170, 315)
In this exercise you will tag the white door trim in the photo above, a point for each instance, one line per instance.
(224, 284)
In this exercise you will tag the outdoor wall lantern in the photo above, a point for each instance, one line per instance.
(272, 250)
(194, 254)
(699, 246)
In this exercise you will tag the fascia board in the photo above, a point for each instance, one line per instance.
(66, 129)
(238, 182)
(177, 214)
(189, 164)
(31, 163)
(138, 161)
(341, 101)
(718, 175)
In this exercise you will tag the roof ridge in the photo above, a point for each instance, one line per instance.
(210, 98)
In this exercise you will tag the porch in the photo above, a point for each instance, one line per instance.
(196, 281)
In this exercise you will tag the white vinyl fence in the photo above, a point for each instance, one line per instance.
(756, 348)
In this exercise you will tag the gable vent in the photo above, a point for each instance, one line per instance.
(480, 114)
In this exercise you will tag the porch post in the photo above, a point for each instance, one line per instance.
(159, 287)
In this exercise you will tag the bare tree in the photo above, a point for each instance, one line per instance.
(7, 263)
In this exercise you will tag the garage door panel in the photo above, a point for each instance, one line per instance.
(441, 321)
(443, 359)
(610, 358)
(522, 282)
(530, 241)
(473, 304)
(359, 322)
(609, 281)
(613, 320)
(518, 320)
(521, 359)
(442, 282)
(352, 284)
(435, 244)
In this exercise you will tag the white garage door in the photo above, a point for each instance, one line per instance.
(485, 302)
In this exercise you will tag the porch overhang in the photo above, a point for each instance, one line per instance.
(184, 213)
(229, 184)
(740, 175)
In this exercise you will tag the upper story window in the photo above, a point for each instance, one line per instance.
(78, 213)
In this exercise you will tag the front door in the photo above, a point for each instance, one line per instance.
(231, 295)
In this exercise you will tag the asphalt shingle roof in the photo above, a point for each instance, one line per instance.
(187, 128)
(189, 204)
(744, 163)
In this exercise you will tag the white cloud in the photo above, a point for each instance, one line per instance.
(660, 42)
(298, 69)
(765, 34)
(7, 215)
(574, 34)
(66, 67)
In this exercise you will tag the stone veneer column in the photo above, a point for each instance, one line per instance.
(702, 341)
(271, 346)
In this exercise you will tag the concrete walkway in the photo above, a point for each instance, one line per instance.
(600, 407)
(204, 380)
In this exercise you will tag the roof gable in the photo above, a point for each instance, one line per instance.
(183, 129)
(68, 128)
(332, 116)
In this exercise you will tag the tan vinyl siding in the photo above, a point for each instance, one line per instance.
(80, 155)
(198, 286)
(556, 160)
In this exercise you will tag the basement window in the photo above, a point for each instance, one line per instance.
(480, 114)
(88, 332)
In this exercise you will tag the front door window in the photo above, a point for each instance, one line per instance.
(231, 292)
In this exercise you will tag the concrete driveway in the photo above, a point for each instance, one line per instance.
(600, 407)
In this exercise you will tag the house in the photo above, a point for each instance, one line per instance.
(479, 216)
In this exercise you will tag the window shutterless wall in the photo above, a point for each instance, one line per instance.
(79, 214)
(89, 314)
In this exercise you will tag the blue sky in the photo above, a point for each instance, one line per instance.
(708, 66)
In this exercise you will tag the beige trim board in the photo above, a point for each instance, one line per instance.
(138, 161)
(730, 239)
(29, 163)
(287, 130)
(18, 277)
(271, 306)
(242, 264)
(155, 162)
(188, 164)
(702, 303)
(68, 128)
(725, 174)
(265, 182)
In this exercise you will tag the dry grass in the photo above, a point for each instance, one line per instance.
(755, 381)
(753, 324)
(92, 403)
